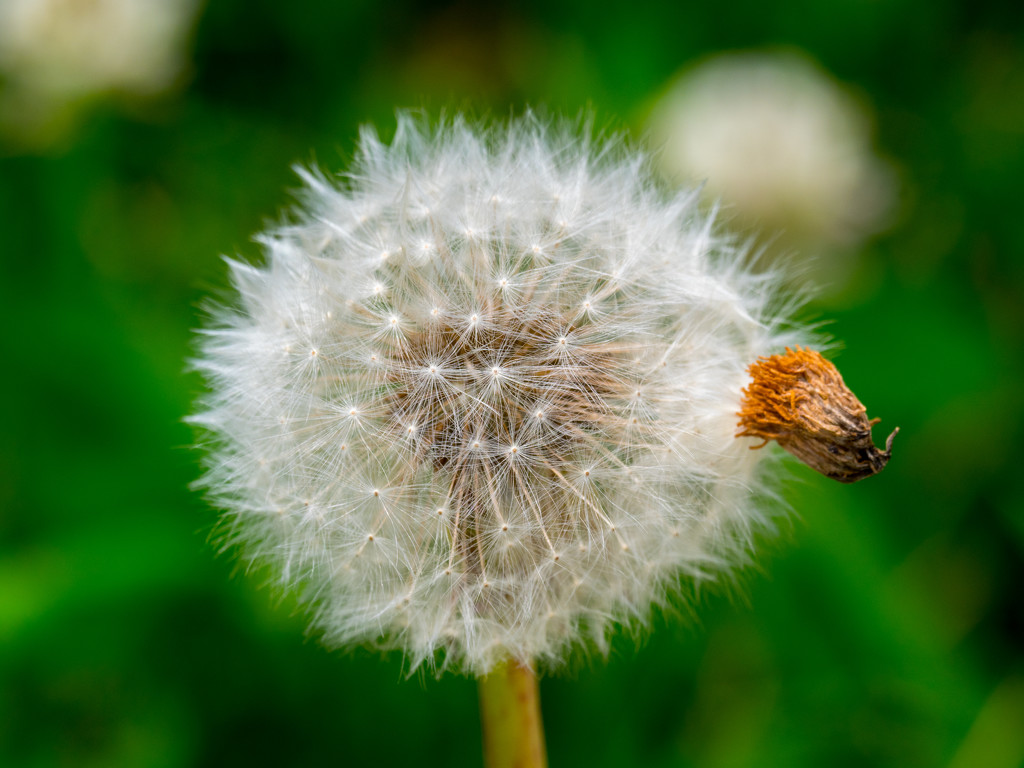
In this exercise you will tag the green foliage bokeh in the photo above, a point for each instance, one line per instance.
(884, 629)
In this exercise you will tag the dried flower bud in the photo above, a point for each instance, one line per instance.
(799, 400)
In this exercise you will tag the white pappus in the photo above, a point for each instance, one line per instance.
(480, 401)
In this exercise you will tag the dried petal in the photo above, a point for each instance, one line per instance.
(799, 400)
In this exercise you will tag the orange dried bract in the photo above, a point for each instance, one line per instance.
(800, 401)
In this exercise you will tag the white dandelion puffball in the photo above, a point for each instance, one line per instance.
(480, 401)
(780, 142)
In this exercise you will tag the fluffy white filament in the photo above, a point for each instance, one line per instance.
(481, 400)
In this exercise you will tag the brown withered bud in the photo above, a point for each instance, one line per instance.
(800, 401)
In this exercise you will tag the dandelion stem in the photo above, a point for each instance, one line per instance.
(510, 713)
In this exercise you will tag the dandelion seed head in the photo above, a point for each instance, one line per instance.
(496, 473)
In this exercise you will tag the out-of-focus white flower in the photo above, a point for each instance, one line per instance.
(784, 146)
(480, 401)
(54, 53)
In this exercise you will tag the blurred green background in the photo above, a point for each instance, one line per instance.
(884, 627)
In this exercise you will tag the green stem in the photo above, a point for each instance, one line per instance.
(510, 713)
